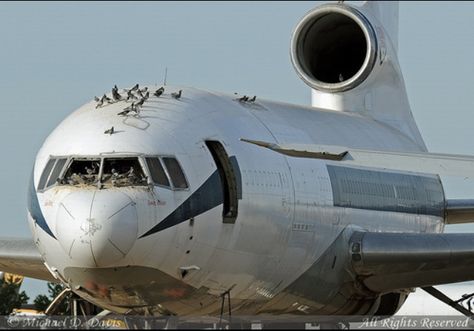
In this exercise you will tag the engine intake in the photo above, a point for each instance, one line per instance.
(334, 48)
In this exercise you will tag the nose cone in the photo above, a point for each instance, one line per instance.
(97, 228)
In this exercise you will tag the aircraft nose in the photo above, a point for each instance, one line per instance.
(97, 228)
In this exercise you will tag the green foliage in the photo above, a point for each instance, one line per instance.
(11, 298)
(54, 290)
(42, 301)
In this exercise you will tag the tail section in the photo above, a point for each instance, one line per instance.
(387, 13)
(348, 55)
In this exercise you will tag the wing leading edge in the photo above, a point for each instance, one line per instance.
(20, 256)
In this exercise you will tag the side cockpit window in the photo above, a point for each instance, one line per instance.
(82, 172)
(120, 172)
(157, 172)
(45, 174)
(175, 172)
(58, 168)
(51, 173)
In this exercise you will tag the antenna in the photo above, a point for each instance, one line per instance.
(166, 75)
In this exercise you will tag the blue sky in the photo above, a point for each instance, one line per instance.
(56, 56)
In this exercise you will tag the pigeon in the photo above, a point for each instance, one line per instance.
(127, 110)
(106, 98)
(141, 102)
(159, 92)
(135, 107)
(147, 95)
(177, 95)
(131, 107)
(130, 95)
(89, 170)
(115, 94)
(253, 99)
(143, 90)
(124, 113)
(109, 131)
(99, 104)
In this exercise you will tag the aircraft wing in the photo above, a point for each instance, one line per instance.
(385, 262)
(457, 211)
(20, 256)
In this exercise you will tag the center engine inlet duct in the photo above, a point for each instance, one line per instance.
(334, 48)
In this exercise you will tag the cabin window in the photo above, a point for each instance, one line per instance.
(46, 173)
(58, 167)
(228, 181)
(176, 173)
(157, 172)
(120, 172)
(82, 172)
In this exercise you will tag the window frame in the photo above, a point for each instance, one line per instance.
(141, 162)
(158, 157)
(169, 176)
(42, 189)
(163, 165)
(72, 158)
(60, 175)
(102, 156)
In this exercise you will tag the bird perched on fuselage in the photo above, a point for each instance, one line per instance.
(177, 95)
(115, 94)
(159, 92)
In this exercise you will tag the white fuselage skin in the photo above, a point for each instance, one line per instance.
(286, 217)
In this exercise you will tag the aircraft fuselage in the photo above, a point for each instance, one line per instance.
(247, 220)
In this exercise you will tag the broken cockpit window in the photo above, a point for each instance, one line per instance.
(82, 172)
(120, 172)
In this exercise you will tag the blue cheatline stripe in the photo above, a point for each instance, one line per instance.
(35, 209)
(206, 197)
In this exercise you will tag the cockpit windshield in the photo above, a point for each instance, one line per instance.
(121, 172)
(107, 172)
(118, 171)
(82, 172)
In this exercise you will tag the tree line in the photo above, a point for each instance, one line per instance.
(12, 298)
